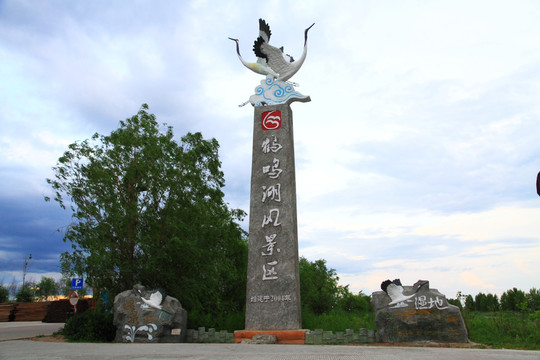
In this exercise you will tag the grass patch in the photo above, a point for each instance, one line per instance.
(510, 330)
(230, 322)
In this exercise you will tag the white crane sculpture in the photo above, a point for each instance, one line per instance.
(270, 59)
(394, 290)
(281, 63)
(261, 66)
(278, 68)
(156, 298)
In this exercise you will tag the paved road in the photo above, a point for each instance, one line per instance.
(26, 349)
(26, 329)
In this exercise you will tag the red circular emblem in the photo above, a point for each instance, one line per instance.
(271, 120)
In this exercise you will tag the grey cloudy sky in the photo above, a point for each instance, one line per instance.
(416, 158)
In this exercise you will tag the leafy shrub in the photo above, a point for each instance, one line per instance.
(91, 326)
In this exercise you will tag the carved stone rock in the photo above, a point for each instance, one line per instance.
(138, 317)
(420, 314)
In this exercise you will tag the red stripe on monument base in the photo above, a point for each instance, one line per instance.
(283, 336)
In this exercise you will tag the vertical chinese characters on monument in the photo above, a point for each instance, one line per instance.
(273, 299)
(271, 194)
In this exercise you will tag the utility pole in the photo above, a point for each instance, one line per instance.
(25, 268)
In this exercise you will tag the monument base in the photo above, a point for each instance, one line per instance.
(283, 336)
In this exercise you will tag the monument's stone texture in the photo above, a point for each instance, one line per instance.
(417, 314)
(273, 287)
(137, 320)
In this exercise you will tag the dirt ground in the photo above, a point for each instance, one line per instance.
(49, 338)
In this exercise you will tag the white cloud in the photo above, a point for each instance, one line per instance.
(499, 223)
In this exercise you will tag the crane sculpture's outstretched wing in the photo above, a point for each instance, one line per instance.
(283, 64)
(264, 30)
(156, 298)
(261, 66)
(272, 55)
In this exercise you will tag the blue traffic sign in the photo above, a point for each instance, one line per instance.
(77, 284)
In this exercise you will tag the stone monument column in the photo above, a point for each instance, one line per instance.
(273, 280)
(273, 284)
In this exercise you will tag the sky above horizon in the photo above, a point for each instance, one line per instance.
(416, 158)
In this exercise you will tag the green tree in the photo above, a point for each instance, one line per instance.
(513, 300)
(486, 302)
(24, 295)
(459, 300)
(469, 303)
(492, 302)
(350, 302)
(533, 299)
(480, 302)
(4, 294)
(319, 289)
(149, 210)
(455, 302)
(47, 287)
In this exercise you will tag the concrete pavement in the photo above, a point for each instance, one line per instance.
(26, 349)
(27, 329)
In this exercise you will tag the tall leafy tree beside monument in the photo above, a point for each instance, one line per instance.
(148, 209)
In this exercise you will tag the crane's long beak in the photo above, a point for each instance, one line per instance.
(305, 34)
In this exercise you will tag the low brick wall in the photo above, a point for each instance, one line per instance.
(349, 336)
(210, 336)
